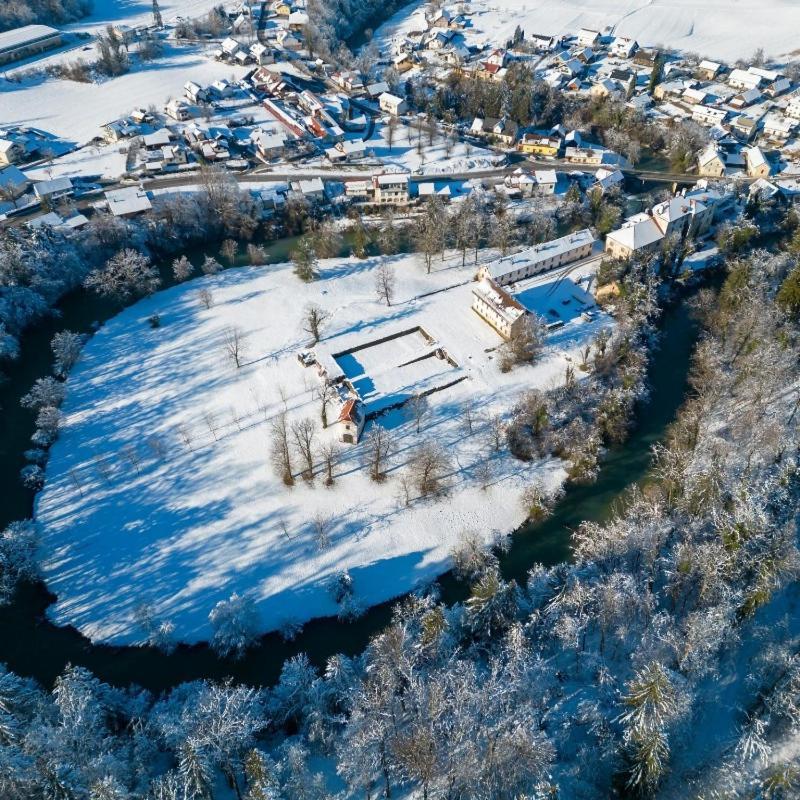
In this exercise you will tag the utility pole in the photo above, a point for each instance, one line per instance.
(157, 21)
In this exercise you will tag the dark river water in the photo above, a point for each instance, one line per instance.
(31, 646)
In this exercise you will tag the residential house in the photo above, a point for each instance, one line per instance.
(639, 234)
(128, 202)
(709, 116)
(262, 54)
(606, 88)
(745, 99)
(607, 179)
(346, 150)
(588, 37)
(497, 307)
(682, 216)
(119, 129)
(757, 164)
(503, 131)
(298, 20)
(538, 144)
(349, 81)
(391, 189)
(584, 155)
(53, 189)
(540, 258)
(392, 104)
(402, 62)
(351, 421)
(777, 88)
(625, 77)
(695, 97)
(708, 70)
(11, 152)
(546, 181)
(13, 182)
(744, 80)
(778, 128)
(711, 163)
(195, 93)
(745, 127)
(288, 40)
(544, 43)
(623, 47)
(269, 142)
(177, 110)
(793, 107)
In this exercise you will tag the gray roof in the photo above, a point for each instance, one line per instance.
(22, 36)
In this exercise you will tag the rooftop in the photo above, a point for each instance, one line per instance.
(21, 36)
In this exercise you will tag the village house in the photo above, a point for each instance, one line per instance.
(588, 37)
(744, 127)
(793, 107)
(351, 421)
(539, 258)
(128, 201)
(623, 47)
(538, 144)
(392, 104)
(53, 189)
(745, 99)
(711, 163)
(119, 129)
(639, 234)
(497, 307)
(403, 62)
(391, 189)
(744, 80)
(584, 155)
(708, 116)
(11, 152)
(13, 182)
(546, 181)
(757, 164)
(346, 150)
(544, 43)
(606, 179)
(708, 70)
(778, 128)
(349, 81)
(177, 110)
(503, 131)
(682, 217)
(269, 142)
(195, 93)
(607, 88)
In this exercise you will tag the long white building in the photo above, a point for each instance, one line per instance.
(540, 258)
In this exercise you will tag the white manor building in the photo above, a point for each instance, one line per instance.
(540, 258)
(497, 307)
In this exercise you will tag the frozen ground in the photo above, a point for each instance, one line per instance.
(131, 514)
(75, 111)
(139, 12)
(726, 29)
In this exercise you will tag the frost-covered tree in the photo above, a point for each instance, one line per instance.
(124, 277)
(66, 347)
(235, 625)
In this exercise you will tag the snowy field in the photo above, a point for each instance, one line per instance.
(131, 513)
(140, 12)
(75, 111)
(725, 29)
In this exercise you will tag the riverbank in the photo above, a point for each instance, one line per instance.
(33, 646)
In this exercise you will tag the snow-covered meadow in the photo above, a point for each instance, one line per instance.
(160, 488)
(725, 29)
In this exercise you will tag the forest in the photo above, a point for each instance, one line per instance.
(14, 13)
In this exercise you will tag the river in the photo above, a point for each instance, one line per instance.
(30, 645)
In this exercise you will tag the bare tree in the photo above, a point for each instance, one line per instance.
(418, 409)
(206, 298)
(322, 525)
(495, 432)
(211, 423)
(304, 434)
(314, 319)
(325, 393)
(329, 453)
(280, 451)
(428, 467)
(131, 455)
(468, 416)
(185, 434)
(483, 473)
(235, 345)
(377, 446)
(385, 282)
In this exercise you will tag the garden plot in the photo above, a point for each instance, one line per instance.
(160, 489)
(389, 372)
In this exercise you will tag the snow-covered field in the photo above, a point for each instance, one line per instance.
(726, 29)
(124, 523)
(75, 111)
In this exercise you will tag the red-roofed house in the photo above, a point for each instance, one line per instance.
(351, 421)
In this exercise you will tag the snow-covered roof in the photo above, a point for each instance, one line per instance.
(502, 302)
(130, 200)
(540, 254)
(18, 37)
(637, 235)
(51, 187)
